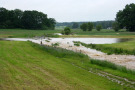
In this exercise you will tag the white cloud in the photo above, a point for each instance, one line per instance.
(71, 10)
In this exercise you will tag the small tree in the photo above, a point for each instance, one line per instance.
(115, 26)
(98, 27)
(75, 25)
(90, 26)
(84, 26)
(67, 30)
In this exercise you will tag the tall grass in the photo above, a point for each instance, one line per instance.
(112, 66)
(110, 50)
(60, 52)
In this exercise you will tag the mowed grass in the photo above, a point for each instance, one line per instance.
(24, 65)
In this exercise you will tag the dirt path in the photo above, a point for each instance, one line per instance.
(124, 60)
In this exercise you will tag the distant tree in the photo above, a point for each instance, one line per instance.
(90, 26)
(75, 25)
(67, 30)
(98, 27)
(84, 26)
(115, 26)
(126, 17)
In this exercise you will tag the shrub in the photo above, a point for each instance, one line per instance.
(67, 30)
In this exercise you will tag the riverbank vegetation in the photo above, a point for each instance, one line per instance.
(123, 48)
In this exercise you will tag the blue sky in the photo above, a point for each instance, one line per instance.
(71, 10)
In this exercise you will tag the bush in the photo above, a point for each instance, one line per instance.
(98, 27)
(67, 30)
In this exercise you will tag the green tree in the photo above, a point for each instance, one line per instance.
(67, 30)
(115, 26)
(126, 17)
(90, 26)
(75, 25)
(35, 20)
(84, 26)
(3, 18)
(98, 27)
(27, 19)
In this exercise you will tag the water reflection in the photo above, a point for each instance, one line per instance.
(93, 40)
(84, 40)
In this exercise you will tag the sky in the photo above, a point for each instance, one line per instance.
(71, 10)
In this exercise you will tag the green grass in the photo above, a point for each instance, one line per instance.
(104, 33)
(112, 66)
(13, 33)
(24, 65)
(126, 48)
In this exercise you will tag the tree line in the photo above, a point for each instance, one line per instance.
(74, 25)
(125, 19)
(89, 26)
(17, 18)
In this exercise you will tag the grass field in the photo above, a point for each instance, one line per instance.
(14, 33)
(104, 33)
(24, 65)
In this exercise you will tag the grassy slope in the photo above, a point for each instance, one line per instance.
(24, 66)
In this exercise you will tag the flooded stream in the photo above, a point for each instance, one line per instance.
(67, 43)
(84, 40)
